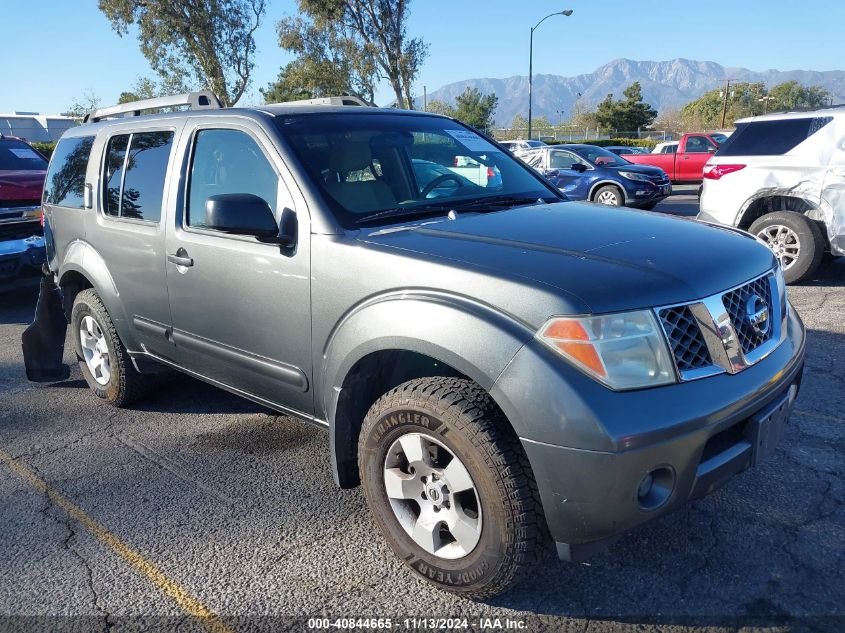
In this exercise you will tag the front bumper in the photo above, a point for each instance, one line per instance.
(590, 448)
(20, 261)
(645, 194)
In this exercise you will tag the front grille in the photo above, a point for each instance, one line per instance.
(735, 303)
(685, 338)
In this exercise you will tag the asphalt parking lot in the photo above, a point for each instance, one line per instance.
(195, 505)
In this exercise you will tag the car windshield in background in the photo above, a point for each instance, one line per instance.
(599, 156)
(18, 156)
(371, 167)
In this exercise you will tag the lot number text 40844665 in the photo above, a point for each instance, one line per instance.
(431, 624)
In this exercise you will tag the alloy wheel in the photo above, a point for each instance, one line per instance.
(95, 350)
(607, 197)
(783, 242)
(433, 496)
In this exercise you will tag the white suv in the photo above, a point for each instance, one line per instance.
(782, 178)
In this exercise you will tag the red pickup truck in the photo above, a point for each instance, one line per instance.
(687, 164)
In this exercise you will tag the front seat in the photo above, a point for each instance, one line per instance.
(359, 196)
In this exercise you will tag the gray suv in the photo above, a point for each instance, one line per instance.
(499, 369)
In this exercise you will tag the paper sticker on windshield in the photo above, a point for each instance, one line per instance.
(471, 141)
(25, 153)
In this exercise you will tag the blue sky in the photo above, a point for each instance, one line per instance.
(53, 51)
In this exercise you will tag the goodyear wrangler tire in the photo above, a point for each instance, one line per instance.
(103, 360)
(450, 487)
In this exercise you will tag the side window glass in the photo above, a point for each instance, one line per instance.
(115, 157)
(227, 161)
(561, 160)
(64, 185)
(146, 169)
(139, 192)
(698, 145)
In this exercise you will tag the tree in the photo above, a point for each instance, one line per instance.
(791, 95)
(351, 43)
(440, 107)
(148, 88)
(330, 61)
(749, 99)
(211, 41)
(476, 109)
(83, 105)
(626, 115)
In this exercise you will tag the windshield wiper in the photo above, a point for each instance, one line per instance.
(497, 202)
(399, 212)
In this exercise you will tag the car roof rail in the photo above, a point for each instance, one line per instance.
(343, 100)
(202, 100)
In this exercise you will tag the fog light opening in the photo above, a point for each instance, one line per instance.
(655, 488)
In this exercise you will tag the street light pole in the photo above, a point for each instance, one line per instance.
(565, 12)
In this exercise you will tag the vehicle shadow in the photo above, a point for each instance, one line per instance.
(831, 273)
(18, 307)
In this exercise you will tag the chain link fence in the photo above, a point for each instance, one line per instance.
(572, 133)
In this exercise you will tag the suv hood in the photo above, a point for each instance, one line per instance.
(611, 259)
(21, 185)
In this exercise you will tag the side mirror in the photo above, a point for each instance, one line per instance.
(241, 214)
(712, 149)
(579, 168)
(247, 214)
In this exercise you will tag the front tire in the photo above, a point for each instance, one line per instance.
(103, 359)
(795, 239)
(609, 195)
(450, 487)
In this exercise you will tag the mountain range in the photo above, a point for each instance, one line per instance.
(665, 85)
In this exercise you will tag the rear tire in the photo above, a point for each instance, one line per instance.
(410, 442)
(103, 360)
(609, 195)
(795, 239)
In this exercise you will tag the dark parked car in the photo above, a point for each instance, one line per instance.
(493, 365)
(22, 171)
(588, 172)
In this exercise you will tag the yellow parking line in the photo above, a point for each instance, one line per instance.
(184, 599)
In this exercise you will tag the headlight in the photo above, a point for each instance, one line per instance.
(623, 351)
(630, 175)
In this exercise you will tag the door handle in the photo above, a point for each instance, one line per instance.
(180, 260)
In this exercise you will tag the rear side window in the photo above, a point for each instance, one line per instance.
(64, 185)
(771, 138)
(135, 170)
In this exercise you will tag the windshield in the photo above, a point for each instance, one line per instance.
(388, 165)
(598, 156)
(19, 156)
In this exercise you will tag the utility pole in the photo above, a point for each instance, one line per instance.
(425, 99)
(725, 102)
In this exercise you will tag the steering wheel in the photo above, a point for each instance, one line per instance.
(438, 181)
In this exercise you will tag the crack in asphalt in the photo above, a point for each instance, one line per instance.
(67, 522)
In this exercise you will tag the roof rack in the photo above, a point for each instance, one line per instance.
(343, 100)
(203, 100)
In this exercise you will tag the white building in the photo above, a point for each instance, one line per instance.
(35, 127)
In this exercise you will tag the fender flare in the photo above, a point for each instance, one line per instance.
(383, 323)
(80, 257)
